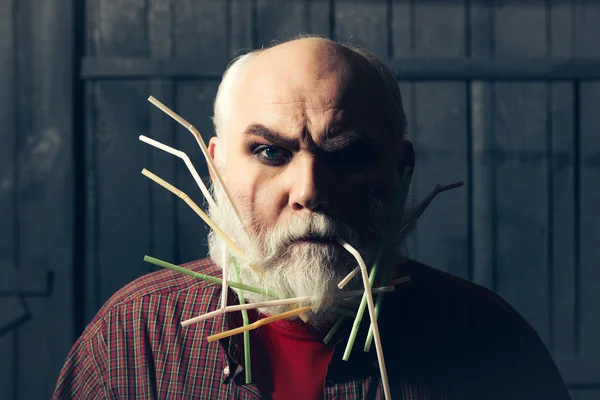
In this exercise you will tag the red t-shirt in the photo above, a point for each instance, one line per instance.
(289, 360)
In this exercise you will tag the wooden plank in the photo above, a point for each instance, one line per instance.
(480, 181)
(123, 193)
(198, 26)
(194, 103)
(93, 269)
(25, 282)
(363, 23)
(513, 22)
(319, 18)
(441, 142)
(401, 28)
(587, 15)
(481, 186)
(562, 189)
(8, 206)
(7, 367)
(159, 28)
(589, 221)
(162, 203)
(120, 27)
(520, 135)
(407, 91)
(440, 29)
(436, 69)
(561, 28)
(441, 158)
(585, 394)
(45, 187)
(119, 115)
(278, 21)
(521, 170)
(240, 28)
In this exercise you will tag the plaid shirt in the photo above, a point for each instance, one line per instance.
(443, 338)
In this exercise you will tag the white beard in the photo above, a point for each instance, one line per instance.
(290, 268)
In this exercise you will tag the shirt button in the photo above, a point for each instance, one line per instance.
(226, 370)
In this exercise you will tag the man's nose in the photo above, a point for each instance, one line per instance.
(308, 188)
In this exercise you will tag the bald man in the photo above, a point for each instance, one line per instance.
(310, 144)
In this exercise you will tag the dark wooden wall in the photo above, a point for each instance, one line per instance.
(501, 94)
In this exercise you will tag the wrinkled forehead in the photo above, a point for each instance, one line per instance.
(293, 89)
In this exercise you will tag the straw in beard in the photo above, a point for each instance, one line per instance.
(298, 259)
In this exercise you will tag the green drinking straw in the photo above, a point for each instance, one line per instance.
(209, 278)
(362, 306)
(334, 329)
(245, 321)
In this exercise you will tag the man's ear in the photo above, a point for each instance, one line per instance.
(212, 144)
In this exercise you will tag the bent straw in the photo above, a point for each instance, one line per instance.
(418, 211)
(258, 323)
(245, 322)
(362, 305)
(371, 306)
(209, 278)
(247, 306)
(194, 207)
(188, 163)
(225, 269)
(348, 278)
(202, 145)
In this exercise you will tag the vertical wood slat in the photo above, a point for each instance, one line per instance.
(8, 208)
(561, 191)
(440, 29)
(240, 27)
(520, 135)
(193, 101)
(162, 203)
(440, 138)
(45, 188)
(589, 222)
(481, 182)
(588, 194)
(279, 21)
(199, 29)
(120, 112)
(362, 24)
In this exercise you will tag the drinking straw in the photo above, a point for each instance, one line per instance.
(371, 306)
(258, 324)
(225, 274)
(334, 328)
(348, 278)
(202, 145)
(408, 156)
(418, 211)
(194, 207)
(247, 306)
(208, 278)
(245, 322)
(363, 304)
(188, 163)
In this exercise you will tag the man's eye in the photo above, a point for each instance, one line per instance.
(272, 155)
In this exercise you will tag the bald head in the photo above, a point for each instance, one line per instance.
(325, 70)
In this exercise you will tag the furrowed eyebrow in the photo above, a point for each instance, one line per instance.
(272, 136)
(344, 140)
